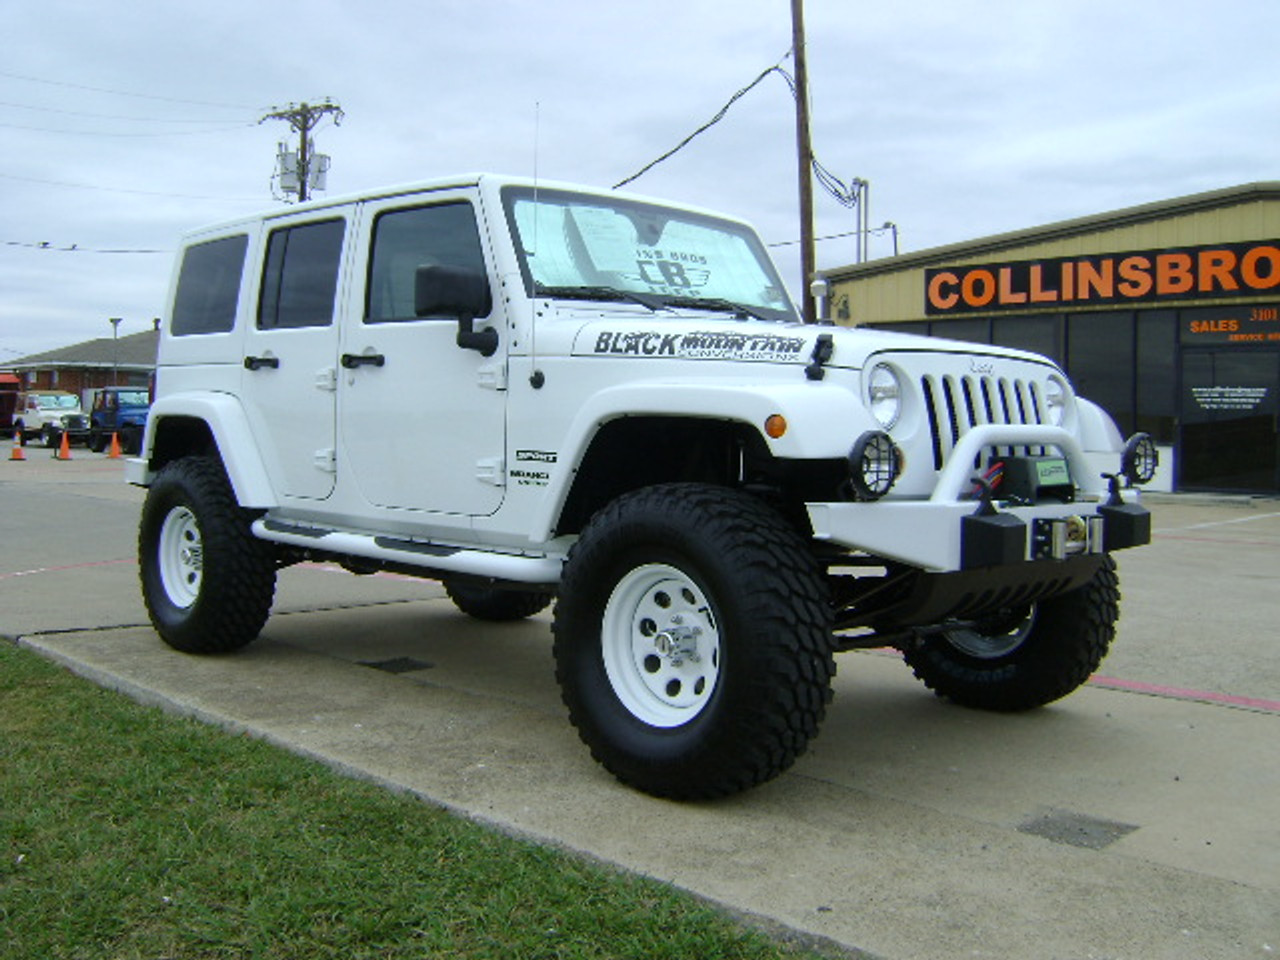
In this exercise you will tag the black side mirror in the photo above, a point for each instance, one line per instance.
(441, 290)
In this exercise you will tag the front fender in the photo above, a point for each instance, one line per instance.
(228, 426)
(823, 421)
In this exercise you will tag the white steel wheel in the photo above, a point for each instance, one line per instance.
(660, 645)
(181, 557)
(993, 640)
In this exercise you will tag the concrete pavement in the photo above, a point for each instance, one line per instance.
(1137, 818)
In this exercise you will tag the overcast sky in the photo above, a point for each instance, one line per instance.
(123, 124)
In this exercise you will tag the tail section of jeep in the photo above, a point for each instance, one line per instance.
(531, 391)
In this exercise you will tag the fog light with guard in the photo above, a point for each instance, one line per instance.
(874, 465)
(1140, 458)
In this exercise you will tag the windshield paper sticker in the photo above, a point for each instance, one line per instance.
(699, 345)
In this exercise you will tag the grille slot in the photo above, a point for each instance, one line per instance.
(957, 404)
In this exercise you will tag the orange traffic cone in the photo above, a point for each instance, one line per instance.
(17, 452)
(114, 452)
(64, 448)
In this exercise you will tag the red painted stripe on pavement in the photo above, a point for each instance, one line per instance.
(1180, 693)
(71, 566)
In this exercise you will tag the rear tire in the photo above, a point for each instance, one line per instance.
(207, 581)
(693, 641)
(1026, 659)
(495, 605)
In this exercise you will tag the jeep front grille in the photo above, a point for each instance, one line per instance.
(957, 404)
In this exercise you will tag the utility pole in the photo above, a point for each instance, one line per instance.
(804, 164)
(303, 118)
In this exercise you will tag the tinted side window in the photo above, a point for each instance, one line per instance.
(300, 276)
(404, 240)
(209, 286)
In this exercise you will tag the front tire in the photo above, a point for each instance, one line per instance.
(1027, 658)
(693, 641)
(207, 581)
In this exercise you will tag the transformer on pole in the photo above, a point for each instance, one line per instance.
(303, 170)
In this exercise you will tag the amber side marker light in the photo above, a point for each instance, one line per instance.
(775, 426)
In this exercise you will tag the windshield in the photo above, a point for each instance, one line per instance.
(54, 401)
(587, 247)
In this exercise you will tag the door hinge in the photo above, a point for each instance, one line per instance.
(327, 379)
(326, 460)
(492, 376)
(492, 470)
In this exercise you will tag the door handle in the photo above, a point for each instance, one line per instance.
(257, 363)
(353, 360)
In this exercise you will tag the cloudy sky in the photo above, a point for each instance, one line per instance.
(123, 124)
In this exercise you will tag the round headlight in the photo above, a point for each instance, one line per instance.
(1055, 401)
(884, 394)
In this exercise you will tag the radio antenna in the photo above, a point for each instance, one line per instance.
(536, 378)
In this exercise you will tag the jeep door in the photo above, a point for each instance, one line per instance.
(421, 420)
(289, 380)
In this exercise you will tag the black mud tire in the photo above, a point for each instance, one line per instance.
(207, 582)
(1031, 659)
(496, 605)
(747, 588)
(96, 442)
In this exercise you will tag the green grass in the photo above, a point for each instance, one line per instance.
(133, 835)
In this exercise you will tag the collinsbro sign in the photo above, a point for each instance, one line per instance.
(1184, 273)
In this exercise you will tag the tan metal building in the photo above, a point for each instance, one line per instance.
(1168, 314)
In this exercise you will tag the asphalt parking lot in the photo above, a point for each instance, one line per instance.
(1138, 818)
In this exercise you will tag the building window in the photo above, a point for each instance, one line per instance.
(1157, 386)
(1041, 334)
(1100, 361)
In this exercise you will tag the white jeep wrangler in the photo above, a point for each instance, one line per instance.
(531, 391)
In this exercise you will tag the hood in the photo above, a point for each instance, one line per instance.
(715, 337)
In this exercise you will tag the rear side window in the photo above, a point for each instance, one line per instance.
(300, 276)
(209, 286)
(404, 240)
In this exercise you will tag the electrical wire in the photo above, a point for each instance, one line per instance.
(846, 194)
(125, 93)
(73, 248)
(143, 193)
(776, 68)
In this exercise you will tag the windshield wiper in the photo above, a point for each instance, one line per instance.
(717, 303)
(647, 300)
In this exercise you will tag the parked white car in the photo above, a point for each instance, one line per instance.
(48, 414)
(530, 390)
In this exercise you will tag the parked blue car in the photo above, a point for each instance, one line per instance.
(122, 411)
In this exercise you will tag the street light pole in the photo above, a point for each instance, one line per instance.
(115, 350)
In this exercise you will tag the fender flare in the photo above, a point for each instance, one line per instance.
(803, 403)
(228, 424)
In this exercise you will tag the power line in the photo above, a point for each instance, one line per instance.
(706, 126)
(108, 133)
(144, 193)
(125, 93)
(73, 248)
(833, 185)
(101, 116)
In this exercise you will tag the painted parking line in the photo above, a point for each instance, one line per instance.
(1182, 693)
(71, 566)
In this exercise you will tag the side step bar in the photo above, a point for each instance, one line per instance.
(417, 553)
